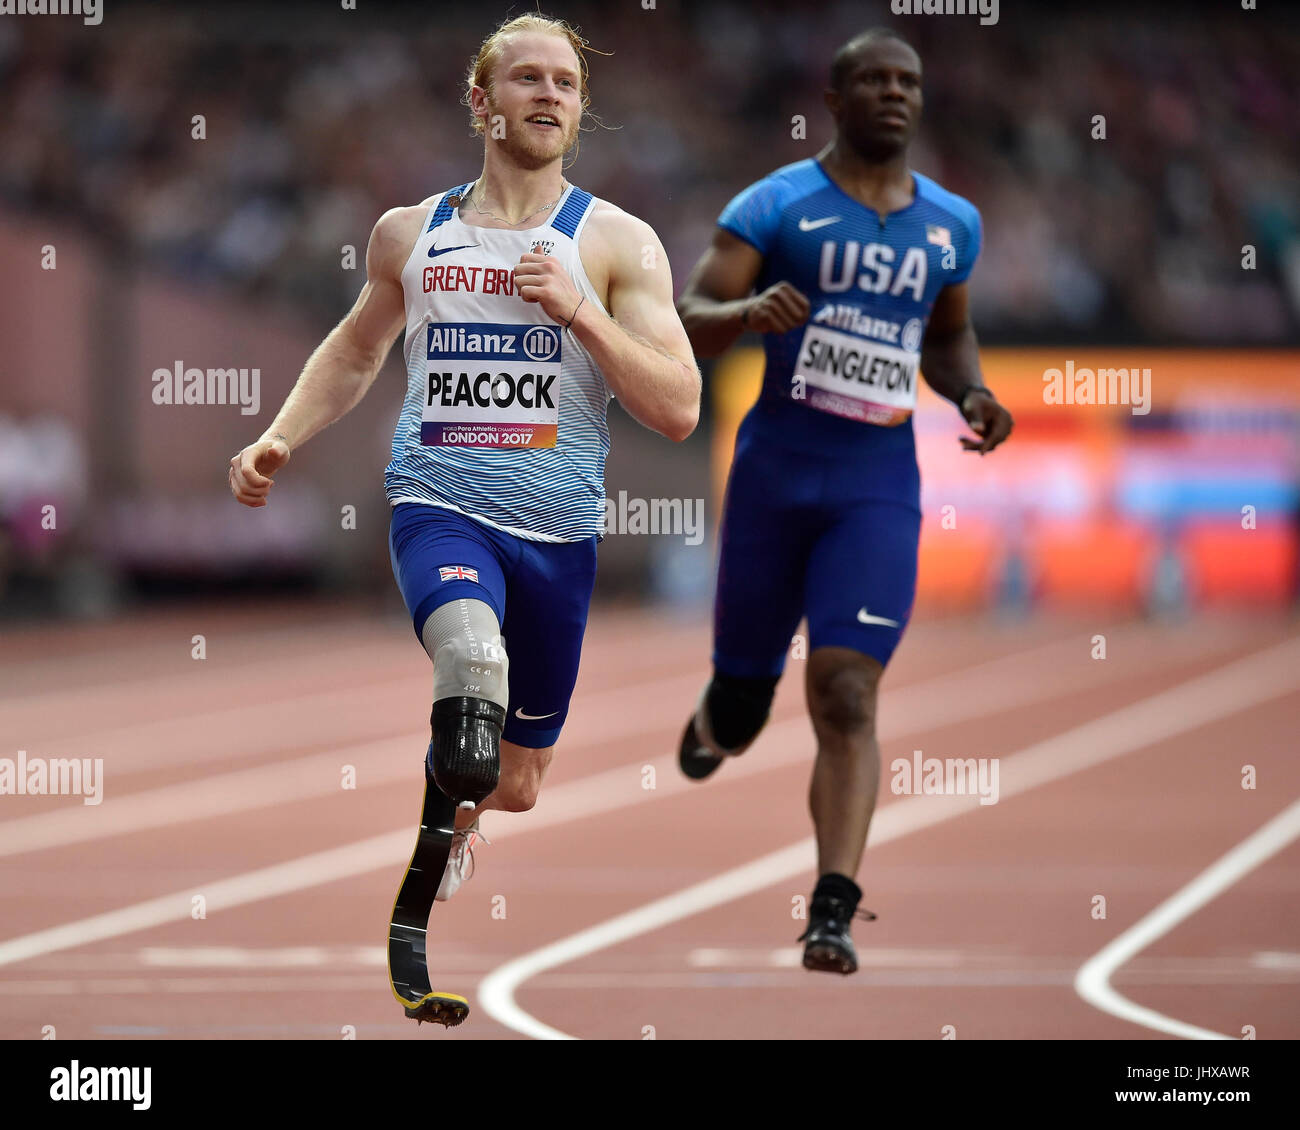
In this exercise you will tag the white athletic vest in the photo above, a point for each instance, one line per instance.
(505, 411)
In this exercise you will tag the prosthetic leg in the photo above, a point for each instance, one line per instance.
(408, 970)
(462, 768)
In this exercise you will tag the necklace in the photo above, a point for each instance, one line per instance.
(515, 223)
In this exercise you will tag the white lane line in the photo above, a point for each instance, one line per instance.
(244, 790)
(288, 781)
(108, 653)
(1257, 678)
(244, 731)
(985, 688)
(601, 792)
(614, 714)
(229, 733)
(294, 642)
(787, 976)
(83, 699)
(1092, 982)
(252, 886)
(788, 957)
(328, 983)
(588, 796)
(248, 730)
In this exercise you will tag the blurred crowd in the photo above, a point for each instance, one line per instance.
(314, 129)
(317, 120)
(1123, 164)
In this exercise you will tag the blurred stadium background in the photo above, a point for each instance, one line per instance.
(1173, 243)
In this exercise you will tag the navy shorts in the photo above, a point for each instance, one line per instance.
(815, 536)
(540, 592)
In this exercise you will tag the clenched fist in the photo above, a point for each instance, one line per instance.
(251, 470)
(987, 419)
(777, 310)
(540, 278)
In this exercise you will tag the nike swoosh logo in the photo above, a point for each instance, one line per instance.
(805, 224)
(443, 250)
(865, 618)
(533, 717)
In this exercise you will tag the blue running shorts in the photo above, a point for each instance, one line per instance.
(540, 592)
(819, 536)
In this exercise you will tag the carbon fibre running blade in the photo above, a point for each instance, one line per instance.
(408, 970)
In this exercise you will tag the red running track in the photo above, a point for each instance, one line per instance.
(232, 885)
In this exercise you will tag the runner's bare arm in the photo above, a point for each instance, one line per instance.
(717, 307)
(343, 366)
(640, 345)
(346, 363)
(950, 363)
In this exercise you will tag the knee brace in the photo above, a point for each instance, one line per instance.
(470, 694)
(733, 711)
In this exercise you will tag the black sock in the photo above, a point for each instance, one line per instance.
(835, 885)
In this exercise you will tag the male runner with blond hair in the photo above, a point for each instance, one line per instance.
(526, 303)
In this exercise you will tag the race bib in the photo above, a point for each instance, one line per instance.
(491, 384)
(855, 377)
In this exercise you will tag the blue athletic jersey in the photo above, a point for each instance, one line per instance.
(845, 383)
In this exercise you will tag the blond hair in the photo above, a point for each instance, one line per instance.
(489, 54)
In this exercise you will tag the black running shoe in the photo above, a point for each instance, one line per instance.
(827, 945)
(697, 762)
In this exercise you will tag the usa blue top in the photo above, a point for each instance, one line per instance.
(844, 384)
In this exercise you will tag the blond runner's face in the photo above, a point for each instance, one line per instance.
(536, 92)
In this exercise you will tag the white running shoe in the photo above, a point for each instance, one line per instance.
(460, 861)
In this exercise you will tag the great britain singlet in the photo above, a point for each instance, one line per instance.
(505, 412)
